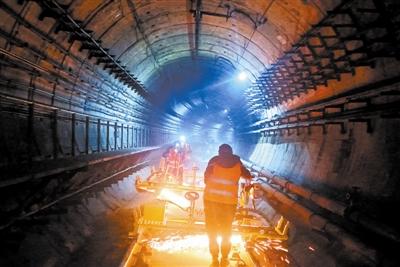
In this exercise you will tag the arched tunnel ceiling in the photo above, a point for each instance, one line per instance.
(69, 92)
(200, 92)
(180, 49)
(147, 35)
(165, 44)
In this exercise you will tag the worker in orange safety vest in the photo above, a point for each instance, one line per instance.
(174, 166)
(220, 200)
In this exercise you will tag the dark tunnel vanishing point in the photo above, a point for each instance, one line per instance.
(92, 92)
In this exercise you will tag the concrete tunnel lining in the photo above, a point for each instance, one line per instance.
(89, 79)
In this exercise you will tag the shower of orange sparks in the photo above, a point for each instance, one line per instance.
(189, 242)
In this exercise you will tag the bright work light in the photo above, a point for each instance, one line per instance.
(242, 76)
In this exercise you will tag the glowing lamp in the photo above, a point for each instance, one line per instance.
(242, 76)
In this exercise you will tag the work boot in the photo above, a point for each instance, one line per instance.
(215, 262)
(224, 262)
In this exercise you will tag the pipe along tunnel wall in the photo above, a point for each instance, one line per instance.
(354, 163)
(345, 147)
(92, 229)
(335, 162)
(321, 157)
(330, 163)
(71, 111)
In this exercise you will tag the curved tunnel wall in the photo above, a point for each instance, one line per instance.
(351, 159)
(49, 71)
(62, 97)
(56, 102)
(335, 162)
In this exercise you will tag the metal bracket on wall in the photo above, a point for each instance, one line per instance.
(368, 123)
(363, 107)
(339, 43)
(66, 23)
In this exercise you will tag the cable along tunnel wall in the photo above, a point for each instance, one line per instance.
(345, 148)
(37, 132)
(336, 145)
(57, 99)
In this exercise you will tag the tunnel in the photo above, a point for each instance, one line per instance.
(94, 92)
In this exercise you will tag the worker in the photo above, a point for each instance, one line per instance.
(220, 200)
(173, 165)
(185, 152)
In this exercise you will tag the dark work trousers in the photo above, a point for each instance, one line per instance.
(219, 218)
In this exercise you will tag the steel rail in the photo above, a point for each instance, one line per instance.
(69, 195)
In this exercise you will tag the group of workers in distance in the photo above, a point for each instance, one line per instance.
(173, 161)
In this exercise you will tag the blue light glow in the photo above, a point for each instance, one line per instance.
(242, 76)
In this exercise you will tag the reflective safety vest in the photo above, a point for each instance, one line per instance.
(222, 186)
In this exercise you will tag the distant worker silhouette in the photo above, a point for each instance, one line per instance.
(220, 200)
